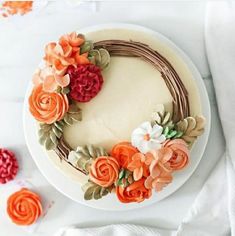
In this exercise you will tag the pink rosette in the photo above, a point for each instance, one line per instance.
(8, 166)
(177, 152)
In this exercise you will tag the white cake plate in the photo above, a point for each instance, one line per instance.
(71, 188)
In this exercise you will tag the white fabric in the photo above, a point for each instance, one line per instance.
(213, 212)
(114, 230)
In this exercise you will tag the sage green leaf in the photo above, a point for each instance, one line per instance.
(191, 128)
(65, 90)
(73, 115)
(86, 47)
(83, 156)
(125, 178)
(94, 191)
(49, 134)
(162, 117)
(101, 56)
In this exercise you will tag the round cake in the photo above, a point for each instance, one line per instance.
(117, 111)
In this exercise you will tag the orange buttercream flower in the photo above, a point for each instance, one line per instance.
(65, 53)
(24, 207)
(139, 165)
(47, 107)
(104, 171)
(123, 153)
(49, 79)
(160, 171)
(177, 152)
(135, 192)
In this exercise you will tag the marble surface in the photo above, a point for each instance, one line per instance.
(21, 48)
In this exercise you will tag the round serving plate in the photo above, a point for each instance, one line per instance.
(71, 188)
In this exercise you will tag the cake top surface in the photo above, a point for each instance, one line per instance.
(132, 90)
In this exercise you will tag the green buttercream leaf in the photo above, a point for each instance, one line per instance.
(190, 128)
(49, 134)
(73, 115)
(125, 178)
(94, 191)
(83, 156)
(101, 57)
(65, 90)
(86, 47)
(162, 117)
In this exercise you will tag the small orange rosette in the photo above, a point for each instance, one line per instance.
(135, 192)
(47, 107)
(123, 153)
(104, 171)
(24, 207)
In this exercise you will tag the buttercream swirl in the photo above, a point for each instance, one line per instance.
(24, 207)
(47, 107)
(104, 171)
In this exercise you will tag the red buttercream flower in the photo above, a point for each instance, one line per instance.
(85, 82)
(8, 166)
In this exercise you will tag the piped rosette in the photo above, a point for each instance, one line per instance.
(8, 166)
(24, 207)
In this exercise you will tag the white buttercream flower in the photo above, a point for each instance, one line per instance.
(147, 138)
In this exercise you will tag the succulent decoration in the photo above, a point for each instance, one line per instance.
(72, 74)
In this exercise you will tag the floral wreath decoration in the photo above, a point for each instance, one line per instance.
(72, 74)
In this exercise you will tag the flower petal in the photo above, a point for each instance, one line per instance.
(156, 131)
(138, 173)
(144, 147)
(147, 127)
(154, 145)
(49, 84)
(148, 182)
(63, 81)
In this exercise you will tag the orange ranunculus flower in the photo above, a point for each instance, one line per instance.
(47, 107)
(135, 192)
(178, 153)
(123, 153)
(65, 53)
(104, 171)
(24, 207)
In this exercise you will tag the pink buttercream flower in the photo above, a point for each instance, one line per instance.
(177, 152)
(49, 79)
(160, 171)
(139, 165)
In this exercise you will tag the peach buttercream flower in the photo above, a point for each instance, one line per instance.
(139, 165)
(49, 79)
(47, 107)
(123, 153)
(104, 171)
(24, 207)
(177, 152)
(135, 192)
(66, 52)
(160, 171)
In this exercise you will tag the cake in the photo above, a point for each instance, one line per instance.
(117, 111)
